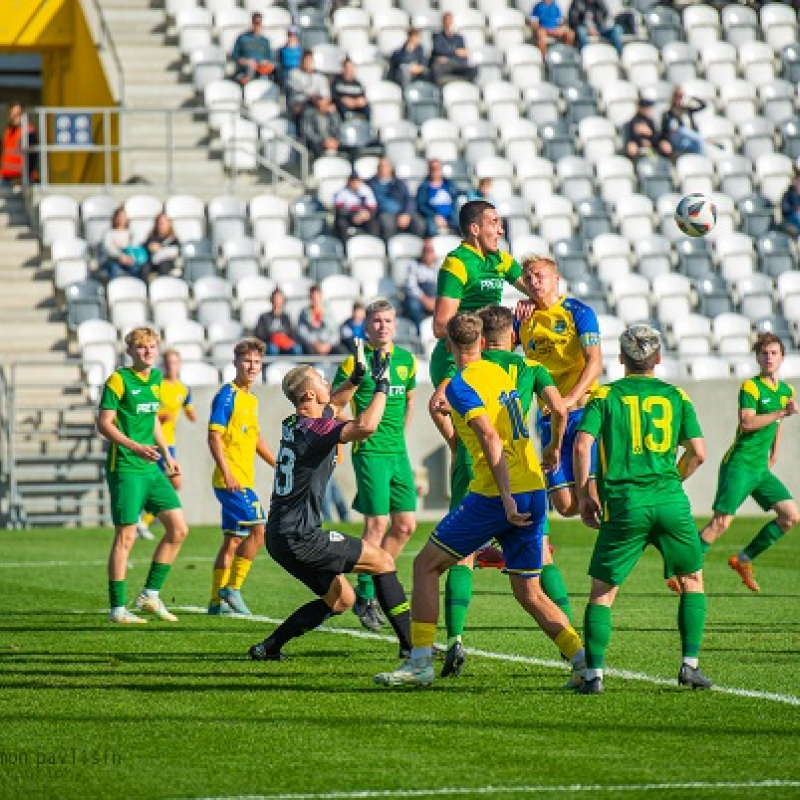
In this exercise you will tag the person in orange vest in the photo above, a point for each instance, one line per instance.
(11, 158)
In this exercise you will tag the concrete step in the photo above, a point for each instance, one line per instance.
(15, 249)
(133, 18)
(25, 294)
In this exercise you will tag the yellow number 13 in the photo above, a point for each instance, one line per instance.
(659, 410)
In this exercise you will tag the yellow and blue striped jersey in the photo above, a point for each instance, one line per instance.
(174, 397)
(234, 414)
(556, 336)
(483, 388)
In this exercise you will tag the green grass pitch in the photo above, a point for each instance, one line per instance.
(174, 711)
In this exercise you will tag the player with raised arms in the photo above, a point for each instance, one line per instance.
(506, 499)
(128, 419)
(639, 422)
(746, 470)
(295, 538)
(234, 438)
(386, 491)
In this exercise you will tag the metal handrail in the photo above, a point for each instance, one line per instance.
(109, 150)
(105, 42)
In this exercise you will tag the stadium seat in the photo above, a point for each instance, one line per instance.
(508, 26)
(612, 256)
(227, 217)
(241, 257)
(739, 24)
(188, 216)
(719, 62)
(423, 101)
(601, 64)
(594, 217)
(655, 176)
(58, 218)
(536, 177)
(212, 296)
(330, 173)
(502, 102)
(670, 286)
(611, 328)
(556, 218)
(169, 299)
(736, 176)
(631, 297)
(96, 331)
(615, 176)
(713, 295)
(386, 102)
(598, 138)
(634, 214)
(524, 65)
(367, 256)
(756, 213)
(501, 173)
(757, 62)
(199, 373)
(70, 261)
(736, 255)
(757, 135)
(207, 65)
(790, 60)
(790, 134)
(680, 62)
(563, 65)
(641, 62)
(284, 255)
(252, 296)
(774, 171)
(739, 100)
(705, 368)
(663, 26)
(85, 300)
(619, 100)
(576, 178)
(580, 101)
(654, 256)
(399, 140)
(229, 23)
(779, 26)
(701, 23)
(391, 27)
(351, 27)
(226, 332)
(194, 26)
(198, 259)
(462, 102)
(96, 213)
(269, 215)
(776, 253)
(440, 139)
(542, 102)
(777, 100)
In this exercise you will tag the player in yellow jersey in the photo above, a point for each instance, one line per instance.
(234, 438)
(506, 500)
(175, 397)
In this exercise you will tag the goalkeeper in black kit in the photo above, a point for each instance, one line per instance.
(295, 538)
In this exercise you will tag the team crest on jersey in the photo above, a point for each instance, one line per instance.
(559, 326)
(402, 373)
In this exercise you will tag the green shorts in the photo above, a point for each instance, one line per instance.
(134, 492)
(460, 475)
(627, 532)
(442, 365)
(385, 484)
(737, 483)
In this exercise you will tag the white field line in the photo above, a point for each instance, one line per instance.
(97, 563)
(505, 790)
(787, 699)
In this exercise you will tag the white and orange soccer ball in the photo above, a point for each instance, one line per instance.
(696, 215)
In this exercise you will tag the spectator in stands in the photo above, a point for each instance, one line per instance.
(790, 203)
(397, 212)
(592, 18)
(119, 254)
(483, 191)
(163, 248)
(449, 57)
(315, 329)
(290, 55)
(252, 54)
(304, 84)
(436, 201)
(348, 93)
(355, 207)
(547, 22)
(408, 63)
(11, 158)
(642, 137)
(421, 285)
(275, 329)
(678, 126)
(320, 126)
(353, 328)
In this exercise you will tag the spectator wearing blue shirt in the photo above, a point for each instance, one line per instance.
(252, 54)
(291, 54)
(396, 210)
(547, 22)
(436, 201)
(354, 328)
(790, 203)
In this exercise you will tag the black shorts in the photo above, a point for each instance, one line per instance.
(315, 557)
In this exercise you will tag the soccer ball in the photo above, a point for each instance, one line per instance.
(696, 215)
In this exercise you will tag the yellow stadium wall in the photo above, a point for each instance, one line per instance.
(72, 74)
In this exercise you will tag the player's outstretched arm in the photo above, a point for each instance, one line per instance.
(344, 391)
(107, 428)
(694, 455)
(749, 421)
(366, 423)
(551, 455)
(582, 462)
(263, 450)
(492, 447)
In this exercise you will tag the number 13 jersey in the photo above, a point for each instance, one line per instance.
(639, 422)
(304, 464)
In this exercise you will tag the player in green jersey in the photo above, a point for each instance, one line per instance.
(639, 422)
(531, 379)
(384, 477)
(764, 401)
(128, 419)
(471, 277)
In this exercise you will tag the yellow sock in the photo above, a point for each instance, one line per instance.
(219, 579)
(422, 634)
(241, 566)
(147, 518)
(568, 642)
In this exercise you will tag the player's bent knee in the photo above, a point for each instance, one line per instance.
(692, 582)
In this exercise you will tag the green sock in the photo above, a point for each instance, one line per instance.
(157, 575)
(117, 594)
(764, 539)
(457, 595)
(365, 588)
(553, 587)
(691, 622)
(596, 634)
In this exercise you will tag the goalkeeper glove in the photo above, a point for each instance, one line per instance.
(379, 369)
(360, 369)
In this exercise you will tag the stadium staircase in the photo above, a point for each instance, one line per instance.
(50, 457)
(151, 64)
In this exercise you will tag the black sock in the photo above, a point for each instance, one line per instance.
(394, 603)
(305, 619)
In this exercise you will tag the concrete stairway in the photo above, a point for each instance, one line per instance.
(151, 64)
